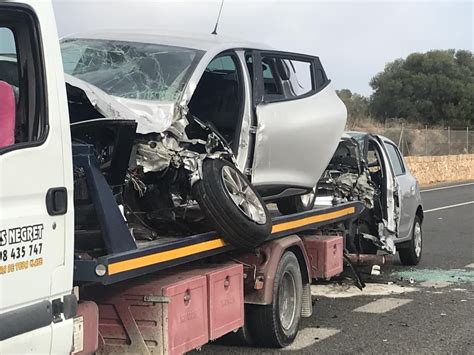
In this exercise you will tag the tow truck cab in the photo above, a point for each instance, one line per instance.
(36, 184)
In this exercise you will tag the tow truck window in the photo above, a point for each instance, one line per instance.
(396, 159)
(23, 120)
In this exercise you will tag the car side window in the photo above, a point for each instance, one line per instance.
(22, 111)
(395, 158)
(222, 64)
(271, 84)
(287, 76)
(321, 78)
(300, 78)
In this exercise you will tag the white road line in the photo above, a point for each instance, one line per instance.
(308, 336)
(450, 206)
(349, 290)
(470, 266)
(382, 305)
(447, 187)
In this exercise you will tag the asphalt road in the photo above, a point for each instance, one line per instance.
(428, 309)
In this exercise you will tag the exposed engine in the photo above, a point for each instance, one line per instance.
(354, 176)
(347, 178)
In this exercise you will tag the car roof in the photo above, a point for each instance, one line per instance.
(358, 134)
(201, 42)
(355, 133)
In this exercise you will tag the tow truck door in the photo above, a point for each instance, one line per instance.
(36, 225)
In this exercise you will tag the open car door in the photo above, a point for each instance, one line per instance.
(36, 215)
(392, 193)
(299, 121)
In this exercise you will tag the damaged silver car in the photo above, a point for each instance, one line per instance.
(370, 168)
(221, 125)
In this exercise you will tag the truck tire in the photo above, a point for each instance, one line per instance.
(228, 199)
(276, 325)
(296, 204)
(410, 253)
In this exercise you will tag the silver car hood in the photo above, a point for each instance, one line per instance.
(151, 116)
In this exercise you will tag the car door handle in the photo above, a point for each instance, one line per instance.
(56, 201)
(412, 190)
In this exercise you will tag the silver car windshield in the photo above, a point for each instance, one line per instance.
(131, 70)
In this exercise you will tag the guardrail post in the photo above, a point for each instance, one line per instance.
(426, 140)
(449, 141)
(467, 140)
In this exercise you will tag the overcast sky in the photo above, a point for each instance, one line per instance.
(354, 39)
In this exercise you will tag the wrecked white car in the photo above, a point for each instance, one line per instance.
(230, 125)
(370, 168)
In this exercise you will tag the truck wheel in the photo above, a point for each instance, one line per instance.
(232, 204)
(276, 325)
(296, 204)
(410, 254)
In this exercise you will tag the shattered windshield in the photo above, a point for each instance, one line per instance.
(130, 70)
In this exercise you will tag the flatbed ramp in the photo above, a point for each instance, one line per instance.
(169, 252)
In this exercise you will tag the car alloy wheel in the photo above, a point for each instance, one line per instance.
(417, 239)
(243, 196)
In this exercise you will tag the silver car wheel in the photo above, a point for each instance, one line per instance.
(417, 239)
(308, 198)
(287, 300)
(243, 196)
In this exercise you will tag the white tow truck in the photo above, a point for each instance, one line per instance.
(168, 295)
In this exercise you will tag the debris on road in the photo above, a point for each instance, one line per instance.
(375, 270)
(436, 275)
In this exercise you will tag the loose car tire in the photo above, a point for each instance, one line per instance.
(232, 204)
(410, 254)
(276, 325)
(296, 204)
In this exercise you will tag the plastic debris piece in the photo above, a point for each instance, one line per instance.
(375, 270)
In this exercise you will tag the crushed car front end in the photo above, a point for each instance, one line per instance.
(360, 171)
(109, 81)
